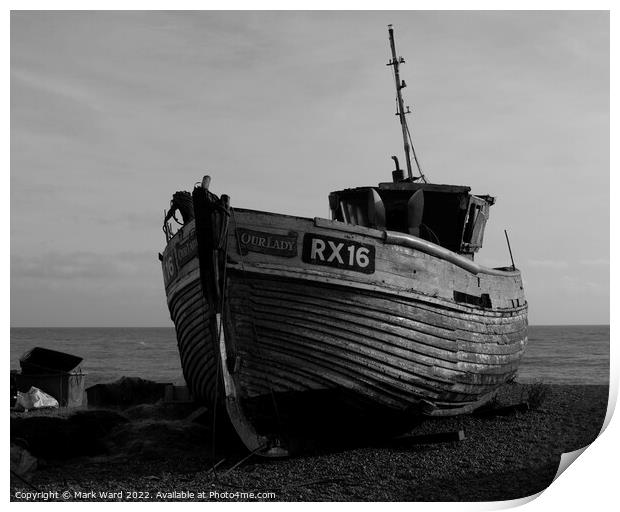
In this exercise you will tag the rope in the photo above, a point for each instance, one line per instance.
(261, 447)
(215, 393)
(182, 202)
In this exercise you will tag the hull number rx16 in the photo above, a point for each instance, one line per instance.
(336, 252)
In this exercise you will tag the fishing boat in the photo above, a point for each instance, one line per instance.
(380, 313)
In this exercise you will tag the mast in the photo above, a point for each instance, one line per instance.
(396, 61)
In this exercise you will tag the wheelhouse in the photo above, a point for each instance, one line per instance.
(446, 215)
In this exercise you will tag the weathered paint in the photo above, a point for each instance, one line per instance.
(351, 311)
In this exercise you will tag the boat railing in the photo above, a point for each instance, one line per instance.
(395, 238)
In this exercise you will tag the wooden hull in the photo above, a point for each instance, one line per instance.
(315, 308)
(191, 316)
(295, 335)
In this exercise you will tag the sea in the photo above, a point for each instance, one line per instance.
(562, 354)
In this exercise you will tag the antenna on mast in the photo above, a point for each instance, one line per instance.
(401, 112)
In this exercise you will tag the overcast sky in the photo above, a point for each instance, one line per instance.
(113, 112)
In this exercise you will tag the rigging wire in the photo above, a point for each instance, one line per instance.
(415, 157)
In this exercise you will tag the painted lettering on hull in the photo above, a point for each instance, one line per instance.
(267, 243)
(336, 252)
(169, 266)
(178, 255)
(187, 249)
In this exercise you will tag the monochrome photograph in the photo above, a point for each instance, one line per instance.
(306, 256)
